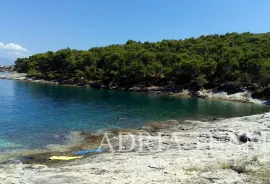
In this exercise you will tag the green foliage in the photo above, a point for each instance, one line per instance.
(212, 59)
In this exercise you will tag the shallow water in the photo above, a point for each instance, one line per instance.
(34, 115)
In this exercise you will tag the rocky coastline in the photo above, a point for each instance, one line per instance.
(234, 150)
(224, 92)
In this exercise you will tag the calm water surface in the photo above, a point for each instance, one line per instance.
(34, 115)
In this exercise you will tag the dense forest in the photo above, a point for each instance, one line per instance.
(191, 63)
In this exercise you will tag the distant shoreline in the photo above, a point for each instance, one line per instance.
(243, 96)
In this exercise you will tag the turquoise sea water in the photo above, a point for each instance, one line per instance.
(34, 115)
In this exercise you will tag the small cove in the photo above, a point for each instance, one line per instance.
(34, 115)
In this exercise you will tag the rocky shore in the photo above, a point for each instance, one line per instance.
(232, 150)
(12, 75)
(235, 94)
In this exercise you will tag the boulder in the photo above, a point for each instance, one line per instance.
(244, 138)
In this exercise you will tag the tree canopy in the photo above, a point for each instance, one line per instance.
(207, 60)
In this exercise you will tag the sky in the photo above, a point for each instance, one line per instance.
(28, 27)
